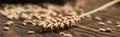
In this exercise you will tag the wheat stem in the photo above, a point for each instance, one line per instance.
(100, 8)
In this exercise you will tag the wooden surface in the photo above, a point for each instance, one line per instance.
(87, 27)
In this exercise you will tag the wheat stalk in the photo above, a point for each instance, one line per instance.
(58, 23)
(101, 8)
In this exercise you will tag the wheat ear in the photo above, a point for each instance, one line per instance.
(58, 23)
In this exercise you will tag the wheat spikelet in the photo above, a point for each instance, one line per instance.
(58, 23)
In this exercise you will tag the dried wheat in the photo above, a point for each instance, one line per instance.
(68, 21)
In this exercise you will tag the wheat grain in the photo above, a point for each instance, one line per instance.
(102, 29)
(6, 29)
(29, 22)
(30, 32)
(108, 29)
(68, 35)
(61, 33)
(65, 35)
(8, 23)
(109, 21)
(102, 23)
(23, 24)
(98, 18)
(105, 29)
(118, 24)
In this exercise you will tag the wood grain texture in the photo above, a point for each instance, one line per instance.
(86, 28)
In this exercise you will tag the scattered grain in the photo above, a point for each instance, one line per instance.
(102, 23)
(61, 33)
(65, 35)
(30, 32)
(68, 35)
(8, 23)
(98, 18)
(29, 22)
(109, 21)
(102, 29)
(6, 29)
(118, 23)
(108, 29)
(118, 26)
(105, 29)
(24, 24)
